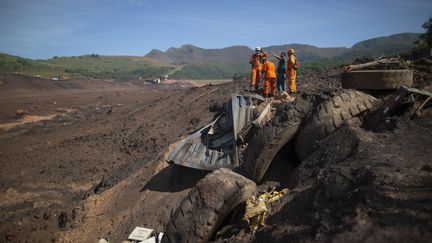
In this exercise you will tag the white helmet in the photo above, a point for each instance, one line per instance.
(258, 48)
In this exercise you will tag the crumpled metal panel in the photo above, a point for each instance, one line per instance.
(209, 148)
(242, 107)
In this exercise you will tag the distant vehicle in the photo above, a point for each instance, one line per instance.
(154, 80)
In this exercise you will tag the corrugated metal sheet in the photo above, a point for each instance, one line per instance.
(242, 108)
(214, 146)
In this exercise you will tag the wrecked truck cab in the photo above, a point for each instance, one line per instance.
(216, 145)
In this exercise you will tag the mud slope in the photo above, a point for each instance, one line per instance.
(360, 187)
(96, 168)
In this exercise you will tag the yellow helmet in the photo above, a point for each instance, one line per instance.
(291, 51)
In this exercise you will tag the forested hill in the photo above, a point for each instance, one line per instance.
(375, 47)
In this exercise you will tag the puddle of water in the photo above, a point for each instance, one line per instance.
(34, 118)
(26, 119)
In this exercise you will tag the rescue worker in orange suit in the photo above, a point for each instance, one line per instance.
(255, 62)
(291, 71)
(270, 77)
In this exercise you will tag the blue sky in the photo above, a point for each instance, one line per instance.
(47, 28)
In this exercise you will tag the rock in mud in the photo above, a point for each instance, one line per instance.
(63, 220)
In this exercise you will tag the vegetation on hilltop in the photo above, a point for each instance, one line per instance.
(423, 46)
(187, 54)
(427, 36)
(105, 67)
(382, 46)
(212, 70)
(88, 66)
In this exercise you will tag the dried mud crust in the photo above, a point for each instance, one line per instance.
(207, 204)
(359, 186)
(377, 79)
(73, 160)
(329, 117)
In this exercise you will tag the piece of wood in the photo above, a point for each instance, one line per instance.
(211, 91)
(278, 57)
(418, 110)
(374, 63)
(206, 93)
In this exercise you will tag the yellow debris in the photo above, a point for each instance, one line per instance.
(256, 208)
(255, 212)
(20, 111)
(273, 195)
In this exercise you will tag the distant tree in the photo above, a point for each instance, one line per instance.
(427, 36)
(22, 61)
(55, 57)
(423, 45)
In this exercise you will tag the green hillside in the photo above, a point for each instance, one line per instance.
(212, 70)
(308, 53)
(382, 46)
(193, 54)
(14, 64)
(88, 66)
(375, 47)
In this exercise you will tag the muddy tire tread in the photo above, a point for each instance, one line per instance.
(206, 205)
(266, 143)
(329, 117)
(263, 147)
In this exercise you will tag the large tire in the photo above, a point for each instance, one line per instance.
(377, 79)
(329, 117)
(268, 140)
(202, 211)
(263, 147)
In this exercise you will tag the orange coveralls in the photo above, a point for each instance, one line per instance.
(270, 77)
(255, 61)
(291, 72)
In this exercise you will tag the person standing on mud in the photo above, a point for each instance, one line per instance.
(255, 62)
(270, 77)
(291, 71)
(280, 72)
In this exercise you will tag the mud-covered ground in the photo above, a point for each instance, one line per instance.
(95, 167)
(86, 173)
